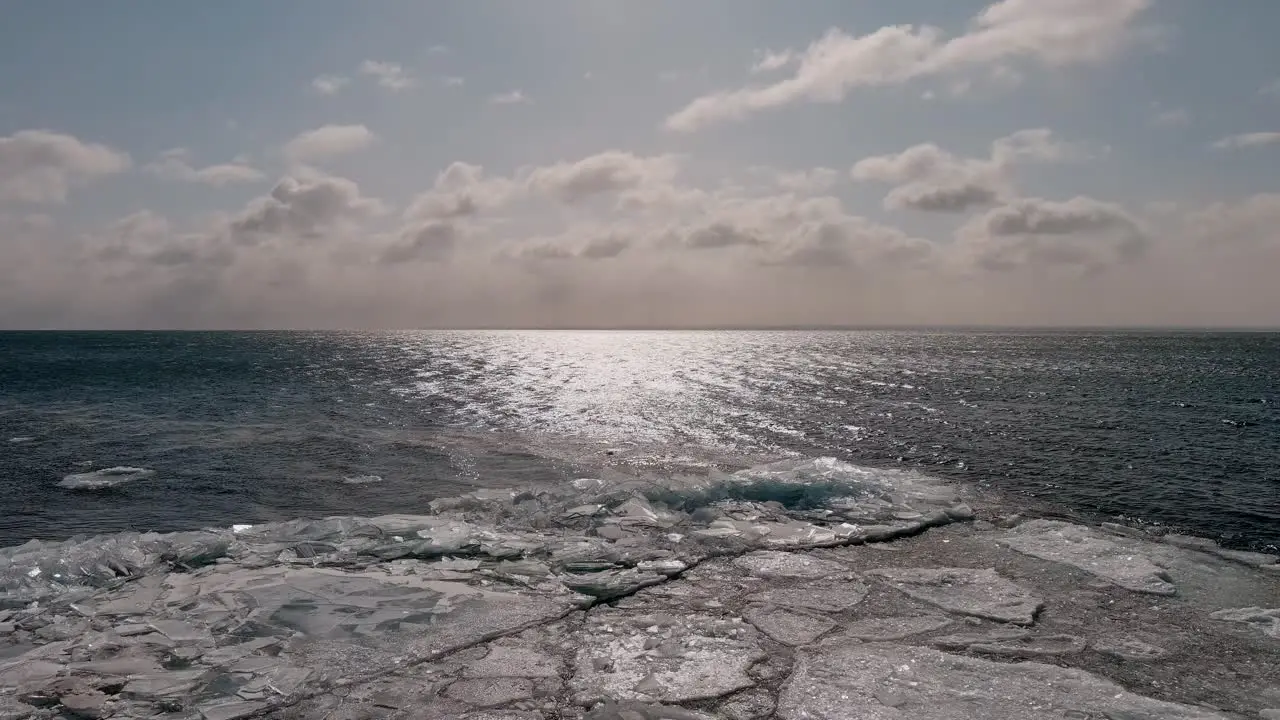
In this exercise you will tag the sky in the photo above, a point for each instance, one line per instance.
(626, 163)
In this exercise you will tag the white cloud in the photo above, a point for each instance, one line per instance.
(306, 207)
(431, 241)
(515, 97)
(770, 61)
(1082, 233)
(328, 141)
(1252, 221)
(41, 166)
(1055, 33)
(931, 179)
(607, 172)
(388, 74)
(329, 84)
(625, 238)
(462, 190)
(1247, 140)
(176, 165)
(589, 244)
(438, 50)
(454, 81)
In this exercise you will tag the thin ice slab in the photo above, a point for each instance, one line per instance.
(1119, 561)
(696, 657)
(879, 681)
(980, 593)
(773, 564)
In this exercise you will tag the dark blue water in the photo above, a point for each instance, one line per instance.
(1174, 428)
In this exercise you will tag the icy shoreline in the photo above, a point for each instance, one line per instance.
(799, 590)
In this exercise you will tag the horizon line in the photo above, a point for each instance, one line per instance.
(687, 328)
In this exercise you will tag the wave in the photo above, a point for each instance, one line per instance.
(362, 480)
(104, 478)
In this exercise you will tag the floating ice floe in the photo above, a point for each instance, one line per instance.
(104, 478)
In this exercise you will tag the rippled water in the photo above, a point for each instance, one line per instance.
(1176, 428)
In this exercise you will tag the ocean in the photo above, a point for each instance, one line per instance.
(103, 432)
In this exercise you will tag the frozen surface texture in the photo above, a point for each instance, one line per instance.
(809, 590)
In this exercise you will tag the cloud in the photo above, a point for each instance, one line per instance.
(41, 166)
(1171, 118)
(931, 179)
(462, 190)
(515, 97)
(770, 61)
(1054, 33)
(623, 238)
(952, 198)
(176, 165)
(1082, 232)
(607, 172)
(389, 75)
(605, 248)
(568, 247)
(1253, 221)
(1247, 140)
(328, 141)
(850, 242)
(720, 235)
(431, 241)
(454, 81)
(1272, 89)
(329, 84)
(307, 207)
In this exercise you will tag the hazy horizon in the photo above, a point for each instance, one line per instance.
(926, 164)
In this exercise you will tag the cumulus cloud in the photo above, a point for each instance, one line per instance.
(146, 241)
(931, 179)
(1253, 221)
(432, 241)
(328, 141)
(41, 166)
(1247, 140)
(1081, 232)
(329, 84)
(308, 207)
(176, 165)
(622, 238)
(720, 235)
(463, 189)
(460, 190)
(1054, 33)
(770, 61)
(849, 242)
(607, 172)
(389, 75)
(570, 246)
(514, 97)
